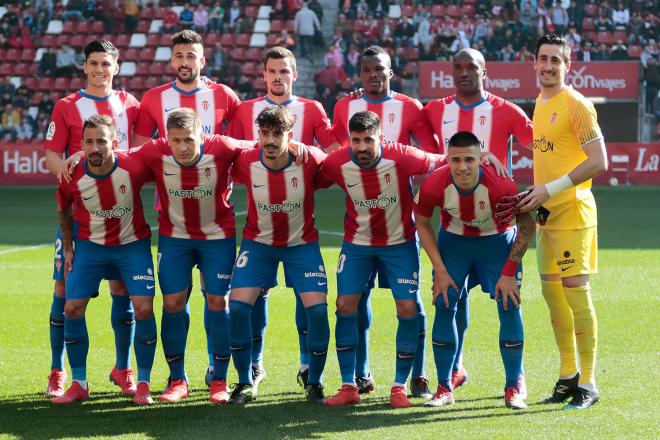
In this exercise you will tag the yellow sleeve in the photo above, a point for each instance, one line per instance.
(583, 120)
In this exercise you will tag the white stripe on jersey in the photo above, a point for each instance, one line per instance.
(453, 207)
(124, 197)
(121, 120)
(298, 110)
(482, 123)
(483, 213)
(352, 178)
(170, 99)
(89, 197)
(205, 107)
(449, 122)
(391, 120)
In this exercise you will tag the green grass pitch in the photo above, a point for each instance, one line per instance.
(626, 294)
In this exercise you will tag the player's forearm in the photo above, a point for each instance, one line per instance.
(65, 219)
(526, 228)
(427, 240)
(54, 161)
(138, 140)
(595, 165)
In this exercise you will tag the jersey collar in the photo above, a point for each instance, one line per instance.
(467, 193)
(183, 92)
(284, 104)
(201, 154)
(101, 177)
(261, 159)
(350, 151)
(95, 98)
(380, 101)
(483, 99)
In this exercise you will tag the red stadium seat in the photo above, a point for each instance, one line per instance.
(253, 55)
(136, 83)
(142, 69)
(45, 84)
(438, 11)
(165, 40)
(69, 27)
(290, 26)
(6, 69)
(131, 54)
(153, 40)
(147, 54)
(22, 69)
(12, 54)
(469, 10)
(151, 82)
(227, 40)
(620, 35)
(251, 11)
(77, 41)
(588, 24)
(271, 40)
(249, 69)
(37, 97)
(259, 85)
(237, 54)
(83, 27)
(211, 38)
(28, 55)
(147, 13)
(243, 40)
(48, 40)
(591, 9)
(77, 83)
(277, 25)
(407, 11)
(61, 84)
(156, 69)
(634, 51)
(604, 37)
(97, 27)
(143, 26)
(122, 40)
(454, 11)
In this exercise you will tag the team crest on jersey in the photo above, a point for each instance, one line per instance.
(482, 205)
(391, 117)
(294, 182)
(553, 118)
(51, 131)
(482, 120)
(205, 105)
(58, 264)
(388, 178)
(295, 118)
(122, 189)
(207, 173)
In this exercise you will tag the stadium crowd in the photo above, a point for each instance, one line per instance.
(420, 31)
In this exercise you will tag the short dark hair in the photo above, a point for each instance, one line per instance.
(96, 121)
(276, 117)
(374, 51)
(364, 121)
(186, 37)
(464, 139)
(280, 53)
(103, 46)
(183, 118)
(554, 40)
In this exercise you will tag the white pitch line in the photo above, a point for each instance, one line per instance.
(29, 248)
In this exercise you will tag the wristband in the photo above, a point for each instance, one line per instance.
(559, 185)
(510, 268)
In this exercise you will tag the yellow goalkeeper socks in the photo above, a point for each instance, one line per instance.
(561, 318)
(586, 330)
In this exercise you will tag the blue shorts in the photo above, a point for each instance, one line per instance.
(91, 261)
(257, 263)
(58, 261)
(473, 261)
(178, 256)
(398, 263)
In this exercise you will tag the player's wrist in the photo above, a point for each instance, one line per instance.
(510, 268)
(558, 185)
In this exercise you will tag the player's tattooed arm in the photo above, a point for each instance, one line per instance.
(65, 219)
(526, 228)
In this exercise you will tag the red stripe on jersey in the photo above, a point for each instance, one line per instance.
(466, 203)
(276, 193)
(377, 220)
(108, 201)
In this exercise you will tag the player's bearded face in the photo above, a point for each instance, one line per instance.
(365, 146)
(550, 65)
(279, 76)
(464, 166)
(186, 144)
(274, 142)
(98, 143)
(187, 61)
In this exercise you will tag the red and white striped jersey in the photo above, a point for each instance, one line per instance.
(280, 202)
(470, 214)
(69, 114)
(194, 200)
(493, 120)
(108, 208)
(401, 120)
(213, 102)
(380, 199)
(311, 121)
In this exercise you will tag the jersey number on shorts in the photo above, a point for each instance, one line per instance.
(340, 263)
(242, 259)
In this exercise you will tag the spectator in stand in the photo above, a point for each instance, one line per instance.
(7, 90)
(603, 22)
(372, 34)
(461, 42)
(73, 10)
(286, 40)
(65, 61)
(335, 55)
(559, 18)
(524, 55)
(45, 6)
(352, 62)
(89, 9)
(316, 7)
(244, 88)
(326, 98)
(652, 78)
(10, 120)
(131, 16)
(573, 39)
(20, 36)
(21, 99)
(576, 15)
(186, 17)
(482, 27)
(420, 14)
(362, 9)
(649, 54)
(636, 28)
(586, 54)
(109, 8)
(201, 18)
(46, 105)
(47, 63)
(218, 61)
(216, 17)
(170, 21)
(339, 40)
(305, 24)
(619, 51)
(621, 17)
(428, 53)
(330, 76)
(425, 34)
(399, 61)
(404, 33)
(40, 23)
(235, 13)
(386, 32)
(507, 54)
(601, 54)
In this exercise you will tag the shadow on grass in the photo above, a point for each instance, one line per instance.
(275, 416)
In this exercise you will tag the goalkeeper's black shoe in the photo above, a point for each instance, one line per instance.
(301, 378)
(583, 399)
(258, 375)
(365, 385)
(242, 394)
(564, 388)
(419, 387)
(314, 392)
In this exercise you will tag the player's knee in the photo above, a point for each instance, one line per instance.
(406, 308)
(174, 303)
(73, 310)
(217, 303)
(117, 288)
(143, 310)
(345, 306)
(59, 289)
(575, 281)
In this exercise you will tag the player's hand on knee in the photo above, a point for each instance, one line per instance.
(68, 166)
(442, 281)
(537, 195)
(507, 288)
(68, 262)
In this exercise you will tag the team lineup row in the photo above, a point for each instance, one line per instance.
(195, 216)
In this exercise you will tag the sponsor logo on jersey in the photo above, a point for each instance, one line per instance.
(118, 211)
(224, 276)
(543, 145)
(413, 282)
(476, 222)
(285, 206)
(207, 173)
(148, 277)
(382, 202)
(199, 192)
(51, 131)
(482, 205)
(315, 275)
(205, 105)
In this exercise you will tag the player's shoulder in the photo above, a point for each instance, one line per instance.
(317, 155)
(440, 102)
(492, 180)
(309, 103)
(156, 91)
(126, 97)
(345, 101)
(338, 157)
(407, 100)
(68, 101)
(576, 101)
(438, 179)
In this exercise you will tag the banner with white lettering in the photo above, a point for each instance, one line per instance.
(611, 80)
(629, 164)
(24, 163)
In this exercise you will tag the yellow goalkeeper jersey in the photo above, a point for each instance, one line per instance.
(562, 126)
